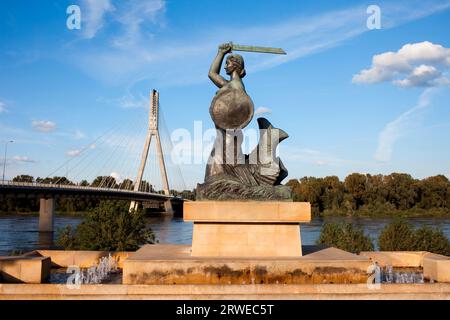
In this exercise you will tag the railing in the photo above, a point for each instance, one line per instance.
(77, 187)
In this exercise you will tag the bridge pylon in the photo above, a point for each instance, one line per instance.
(153, 131)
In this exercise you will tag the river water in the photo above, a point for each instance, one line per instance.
(21, 232)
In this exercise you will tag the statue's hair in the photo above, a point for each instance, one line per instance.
(238, 61)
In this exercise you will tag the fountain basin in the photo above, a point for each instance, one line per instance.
(174, 264)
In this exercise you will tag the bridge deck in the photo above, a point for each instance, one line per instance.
(41, 190)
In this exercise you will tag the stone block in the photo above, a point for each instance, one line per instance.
(248, 240)
(24, 269)
(246, 228)
(436, 267)
(247, 211)
(401, 259)
(82, 259)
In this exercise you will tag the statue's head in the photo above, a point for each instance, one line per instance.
(235, 62)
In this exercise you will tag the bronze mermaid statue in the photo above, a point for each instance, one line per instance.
(230, 174)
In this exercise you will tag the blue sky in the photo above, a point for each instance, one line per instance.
(351, 99)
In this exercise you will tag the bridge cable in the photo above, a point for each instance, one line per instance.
(81, 151)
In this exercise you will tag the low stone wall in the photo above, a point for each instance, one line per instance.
(242, 272)
(24, 269)
(82, 259)
(436, 267)
(227, 292)
(326, 266)
(173, 264)
(34, 267)
(398, 259)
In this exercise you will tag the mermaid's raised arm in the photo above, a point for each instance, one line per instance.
(214, 71)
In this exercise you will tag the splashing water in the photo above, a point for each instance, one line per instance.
(388, 275)
(96, 274)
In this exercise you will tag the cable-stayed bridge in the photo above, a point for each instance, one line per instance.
(124, 157)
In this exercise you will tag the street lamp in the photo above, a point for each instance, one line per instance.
(4, 162)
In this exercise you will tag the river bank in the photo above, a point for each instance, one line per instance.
(36, 214)
(414, 212)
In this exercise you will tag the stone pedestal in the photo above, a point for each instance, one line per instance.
(246, 229)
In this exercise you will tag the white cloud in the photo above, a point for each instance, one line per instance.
(395, 129)
(43, 126)
(415, 65)
(421, 76)
(130, 101)
(320, 162)
(316, 162)
(23, 136)
(310, 156)
(76, 152)
(134, 14)
(164, 59)
(23, 159)
(131, 54)
(78, 135)
(130, 15)
(262, 110)
(2, 107)
(93, 16)
(73, 153)
(116, 176)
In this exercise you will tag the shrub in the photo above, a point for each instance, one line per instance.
(400, 235)
(109, 227)
(396, 236)
(432, 240)
(345, 236)
(66, 237)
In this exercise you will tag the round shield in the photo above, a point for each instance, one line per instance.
(231, 109)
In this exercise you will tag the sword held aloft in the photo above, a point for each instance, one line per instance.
(238, 47)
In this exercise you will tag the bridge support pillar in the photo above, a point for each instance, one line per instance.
(153, 131)
(46, 215)
(168, 207)
(134, 205)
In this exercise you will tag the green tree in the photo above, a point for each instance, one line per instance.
(376, 191)
(84, 183)
(355, 185)
(145, 186)
(104, 182)
(126, 184)
(109, 227)
(55, 180)
(333, 193)
(433, 192)
(185, 194)
(398, 235)
(431, 240)
(23, 178)
(344, 236)
(402, 190)
(295, 188)
(311, 190)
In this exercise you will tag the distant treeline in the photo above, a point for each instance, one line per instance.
(13, 205)
(359, 194)
(365, 194)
